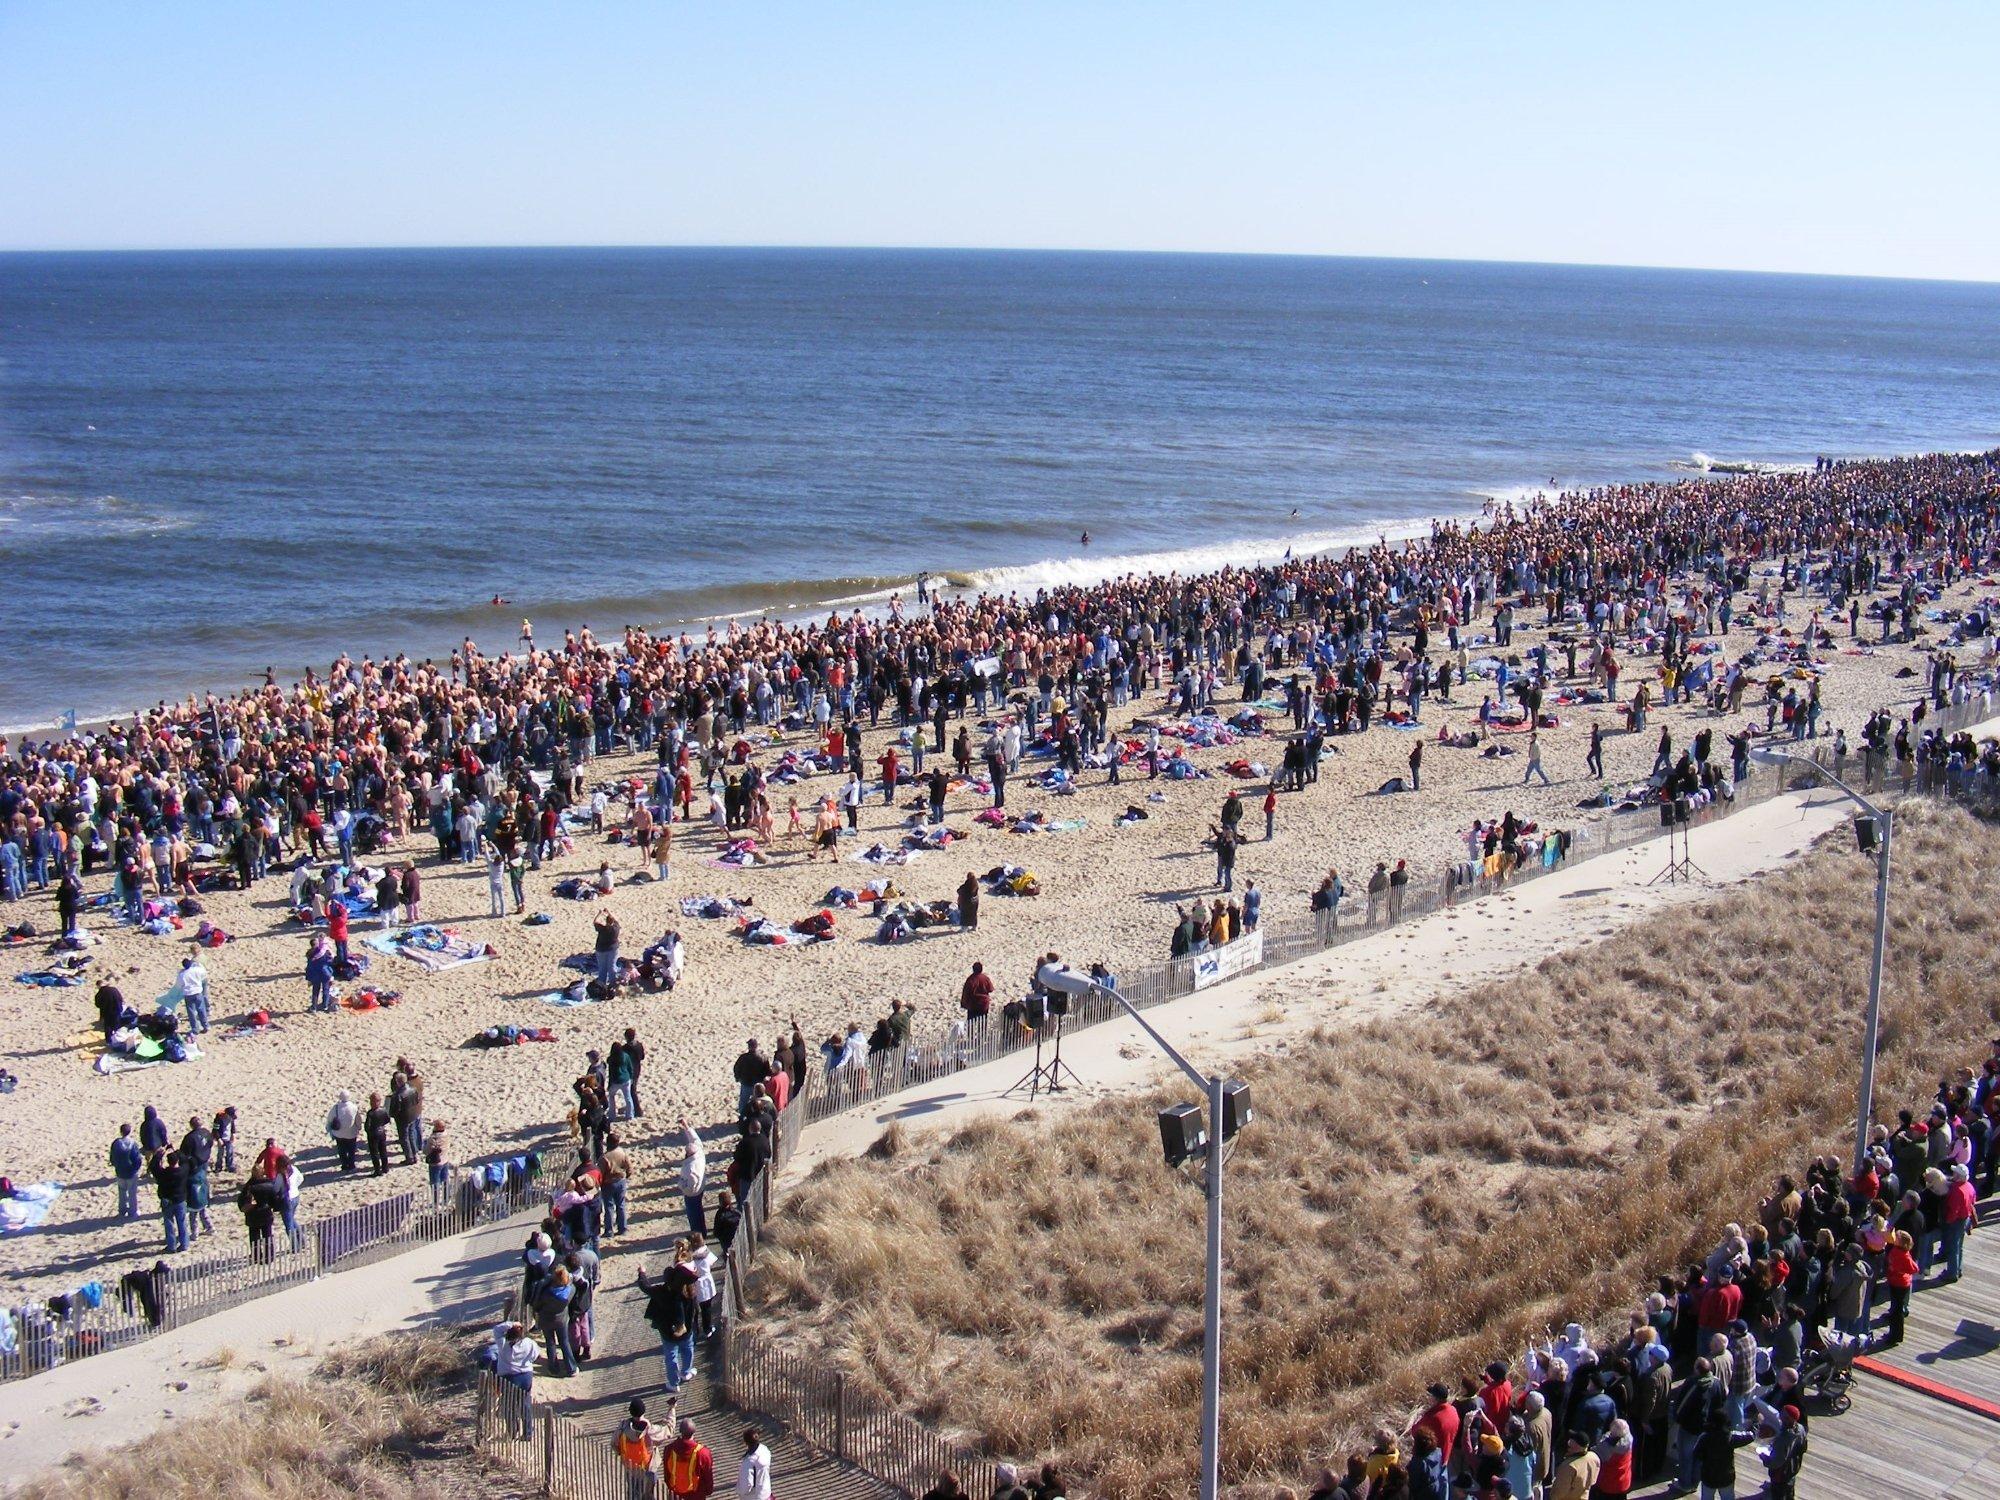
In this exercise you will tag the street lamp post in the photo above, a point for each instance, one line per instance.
(1213, 1088)
(1865, 1106)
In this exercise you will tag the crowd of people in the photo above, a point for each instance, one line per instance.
(182, 1172)
(491, 747)
(563, 1259)
(1721, 1369)
(488, 752)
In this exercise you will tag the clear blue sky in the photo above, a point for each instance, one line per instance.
(1771, 135)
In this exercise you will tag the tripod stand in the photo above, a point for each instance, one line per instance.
(1046, 1078)
(1681, 868)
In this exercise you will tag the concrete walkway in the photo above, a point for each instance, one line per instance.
(625, 1363)
(188, 1372)
(1395, 970)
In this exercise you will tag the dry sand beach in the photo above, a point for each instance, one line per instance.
(1107, 893)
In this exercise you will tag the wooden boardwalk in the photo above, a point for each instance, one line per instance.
(1899, 1443)
(1903, 1442)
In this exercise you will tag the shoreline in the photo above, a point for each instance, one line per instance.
(1060, 571)
(872, 604)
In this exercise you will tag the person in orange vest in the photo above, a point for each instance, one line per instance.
(635, 1445)
(688, 1466)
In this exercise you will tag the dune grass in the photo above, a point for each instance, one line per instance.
(1418, 1195)
(387, 1419)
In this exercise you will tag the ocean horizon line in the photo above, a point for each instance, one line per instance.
(1108, 252)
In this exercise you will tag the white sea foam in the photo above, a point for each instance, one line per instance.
(28, 518)
(1702, 463)
(1088, 568)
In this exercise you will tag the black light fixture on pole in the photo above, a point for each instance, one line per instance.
(1183, 1138)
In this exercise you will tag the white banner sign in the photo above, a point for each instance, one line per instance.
(1226, 962)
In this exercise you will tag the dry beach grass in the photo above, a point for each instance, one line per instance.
(1419, 1194)
(383, 1420)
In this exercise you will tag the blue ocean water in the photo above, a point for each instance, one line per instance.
(214, 463)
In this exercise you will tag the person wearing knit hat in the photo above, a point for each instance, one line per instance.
(1787, 1456)
(1578, 1471)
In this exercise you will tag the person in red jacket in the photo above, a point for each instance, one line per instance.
(1440, 1419)
(1614, 1476)
(336, 929)
(1900, 1271)
(1497, 1395)
(1719, 1304)
(687, 1466)
(1961, 1208)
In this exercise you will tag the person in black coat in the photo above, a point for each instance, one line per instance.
(724, 1222)
(110, 1008)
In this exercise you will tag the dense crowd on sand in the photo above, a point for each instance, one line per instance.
(438, 860)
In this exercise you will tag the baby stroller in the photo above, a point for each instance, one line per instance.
(1829, 1370)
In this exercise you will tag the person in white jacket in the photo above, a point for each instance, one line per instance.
(514, 1362)
(753, 1480)
(694, 1176)
(290, 1181)
(343, 1123)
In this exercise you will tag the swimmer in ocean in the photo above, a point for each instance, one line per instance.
(1086, 539)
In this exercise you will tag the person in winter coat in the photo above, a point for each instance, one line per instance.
(635, 1445)
(260, 1201)
(1787, 1457)
(753, 1476)
(514, 1362)
(671, 1311)
(1960, 1212)
(377, 1123)
(1576, 1473)
(1900, 1272)
(551, 1310)
(1429, 1479)
(1715, 1458)
(693, 1177)
(1614, 1455)
(687, 1468)
(343, 1124)
(128, 1162)
(1847, 1292)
